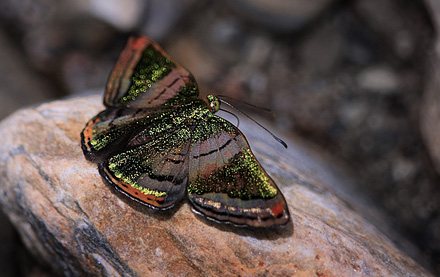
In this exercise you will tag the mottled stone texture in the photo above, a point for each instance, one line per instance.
(71, 220)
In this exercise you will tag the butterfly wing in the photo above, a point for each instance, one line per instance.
(114, 129)
(145, 76)
(227, 183)
(144, 152)
(145, 142)
(154, 171)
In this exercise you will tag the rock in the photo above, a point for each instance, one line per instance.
(124, 15)
(281, 15)
(430, 110)
(399, 34)
(430, 125)
(430, 114)
(20, 85)
(378, 79)
(162, 17)
(313, 58)
(69, 218)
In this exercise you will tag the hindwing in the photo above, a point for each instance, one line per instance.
(227, 183)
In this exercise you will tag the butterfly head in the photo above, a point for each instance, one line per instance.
(213, 102)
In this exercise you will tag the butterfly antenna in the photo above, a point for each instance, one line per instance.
(231, 113)
(245, 103)
(275, 137)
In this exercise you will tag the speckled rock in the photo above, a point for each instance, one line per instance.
(69, 218)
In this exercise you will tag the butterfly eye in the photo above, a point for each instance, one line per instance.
(214, 103)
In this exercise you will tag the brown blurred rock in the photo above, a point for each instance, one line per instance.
(20, 86)
(281, 15)
(430, 123)
(72, 221)
(430, 111)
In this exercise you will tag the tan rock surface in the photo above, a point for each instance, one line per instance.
(73, 221)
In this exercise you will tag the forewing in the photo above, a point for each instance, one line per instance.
(115, 129)
(154, 173)
(227, 183)
(145, 76)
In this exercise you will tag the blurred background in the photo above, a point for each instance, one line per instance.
(358, 80)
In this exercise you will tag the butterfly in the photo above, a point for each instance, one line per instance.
(157, 141)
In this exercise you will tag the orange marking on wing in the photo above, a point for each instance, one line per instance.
(140, 43)
(147, 198)
(277, 210)
(88, 130)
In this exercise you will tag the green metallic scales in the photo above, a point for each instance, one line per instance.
(150, 69)
(241, 178)
(165, 131)
(216, 126)
(191, 111)
(188, 113)
(132, 165)
(189, 91)
(152, 125)
(101, 140)
(149, 191)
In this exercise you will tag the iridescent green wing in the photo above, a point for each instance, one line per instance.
(115, 129)
(145, 76)
(227, 183)
(154, 173)
(144, 153)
